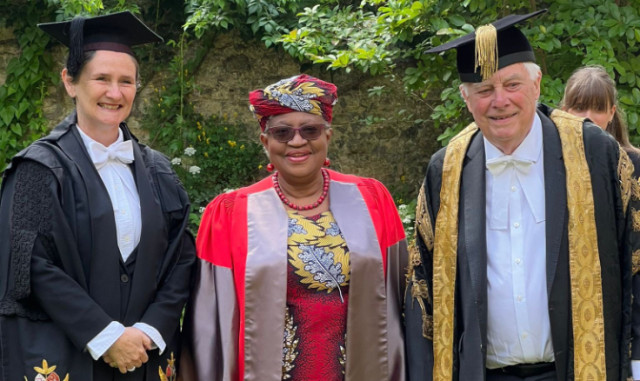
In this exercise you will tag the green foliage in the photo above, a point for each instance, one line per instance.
(407, 214)
(267, 18)
(384, 36)
(27, 78)
(595, 32)
(67, 9)
(210, 154)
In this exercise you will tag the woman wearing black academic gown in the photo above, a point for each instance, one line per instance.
(95, 258)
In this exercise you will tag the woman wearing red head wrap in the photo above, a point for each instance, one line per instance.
(301, 274)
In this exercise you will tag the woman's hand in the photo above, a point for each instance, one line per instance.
(129, 351)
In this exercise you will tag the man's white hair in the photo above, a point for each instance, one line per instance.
(532, 67)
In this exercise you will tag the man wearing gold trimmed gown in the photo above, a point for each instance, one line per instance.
(522, 266)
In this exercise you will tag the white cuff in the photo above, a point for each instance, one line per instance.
(154, 335)
(635, 369)
(105, 339)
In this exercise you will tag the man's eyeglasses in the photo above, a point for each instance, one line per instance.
(284, 134)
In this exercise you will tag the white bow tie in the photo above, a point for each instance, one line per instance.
(101, 155)
(501, 185)
(499, 164)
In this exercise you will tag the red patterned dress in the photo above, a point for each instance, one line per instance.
(317, 295)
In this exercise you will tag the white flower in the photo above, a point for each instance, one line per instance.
(202, 209)
(402, 207)
(176, 161)
(189, 151)
(194, 169)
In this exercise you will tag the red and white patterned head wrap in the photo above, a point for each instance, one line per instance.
(299, 93)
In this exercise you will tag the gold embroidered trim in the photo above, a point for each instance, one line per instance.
(47, 372)
(170, 373)
(423, 220)
(584, 260)
(635, 262)
(625, 174)
(419, 291)
(635, 219)
(419, 288)
(445, 254)
(635, 189)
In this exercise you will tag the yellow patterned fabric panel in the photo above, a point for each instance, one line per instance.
(584, 260)
(445, 255)
(318, 251)
(625, 174)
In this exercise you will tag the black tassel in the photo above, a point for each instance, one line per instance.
(76, 46)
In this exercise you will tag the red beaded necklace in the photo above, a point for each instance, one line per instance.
(285, 200)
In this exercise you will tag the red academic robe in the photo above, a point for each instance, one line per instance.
(236, 318)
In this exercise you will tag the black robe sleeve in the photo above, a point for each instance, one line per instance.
(634, 242)
(38, 234)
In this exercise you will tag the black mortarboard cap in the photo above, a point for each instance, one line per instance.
(117, 31)
(490, 48)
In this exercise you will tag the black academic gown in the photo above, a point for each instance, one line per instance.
(62, 278)
(614, 244)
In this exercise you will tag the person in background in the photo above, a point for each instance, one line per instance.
(95, 257)
(526, 229)
(302, 273)
(591, 93)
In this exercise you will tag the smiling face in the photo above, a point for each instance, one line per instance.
(298, 160)
(104, 91)
(504, 106)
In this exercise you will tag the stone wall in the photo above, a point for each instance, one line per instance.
(372, 136)
(8, 49)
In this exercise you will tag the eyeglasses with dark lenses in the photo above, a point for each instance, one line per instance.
(284, 134)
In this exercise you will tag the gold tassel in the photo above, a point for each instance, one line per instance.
(486, 50)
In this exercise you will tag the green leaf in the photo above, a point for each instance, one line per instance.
(24, 105)
(626, 100)
(457, 20)
(17, 129)
(6, 115)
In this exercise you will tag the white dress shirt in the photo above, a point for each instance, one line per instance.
(518, 318)
(121, 187)
(118, 179)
